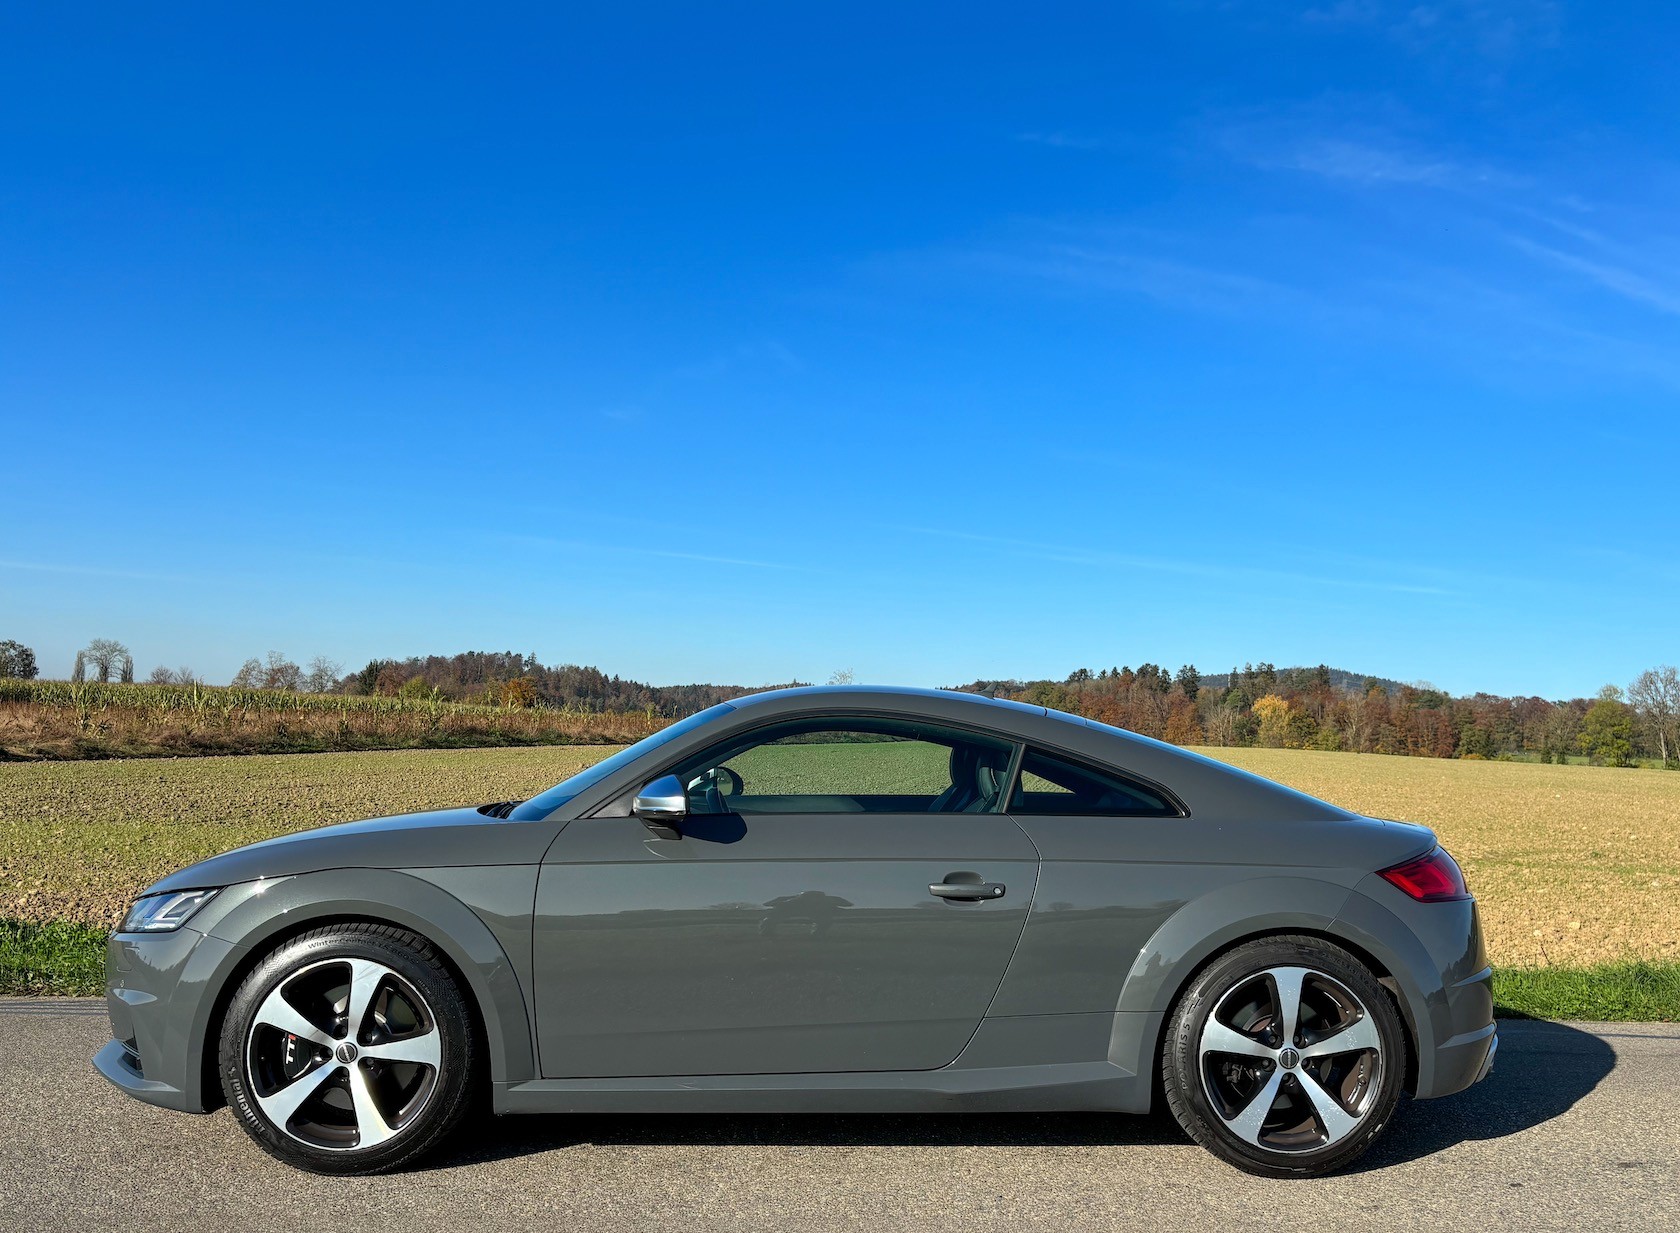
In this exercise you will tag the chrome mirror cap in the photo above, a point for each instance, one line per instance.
(661, 805)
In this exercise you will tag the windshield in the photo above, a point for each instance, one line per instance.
(545, 803)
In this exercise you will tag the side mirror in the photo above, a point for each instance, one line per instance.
(662, 805)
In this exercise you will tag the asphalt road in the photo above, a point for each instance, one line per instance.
(1579, 1128)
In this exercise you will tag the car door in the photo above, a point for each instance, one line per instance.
(846, 896)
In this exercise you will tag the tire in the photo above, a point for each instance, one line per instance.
(331, 1096)
(1277, 1107)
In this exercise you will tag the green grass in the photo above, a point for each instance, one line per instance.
(1630, 991)
(68, 960)
(58, 958)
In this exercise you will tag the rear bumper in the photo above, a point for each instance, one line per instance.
(1435, 955)
(1487, 1062)
(1463, 1061)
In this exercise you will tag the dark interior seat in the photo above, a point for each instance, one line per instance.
(976, 780)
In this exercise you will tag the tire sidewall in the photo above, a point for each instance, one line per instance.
(414, 962)
(1181, 1062)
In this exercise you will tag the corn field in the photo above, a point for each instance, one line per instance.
(66, 719)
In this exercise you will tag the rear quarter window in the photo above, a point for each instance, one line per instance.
(1051, 784)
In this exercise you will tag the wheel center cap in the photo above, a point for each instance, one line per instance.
(346, 1052)
(1289, 1059)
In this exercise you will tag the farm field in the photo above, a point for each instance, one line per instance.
(56, 720)
(1573, 865)
(1570, 864)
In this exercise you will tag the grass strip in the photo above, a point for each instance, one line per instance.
(57, 958)
(1634, 990)
(68, 960)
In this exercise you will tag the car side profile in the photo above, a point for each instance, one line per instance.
(821, 899)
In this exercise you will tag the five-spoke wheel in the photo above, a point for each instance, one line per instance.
(343, 1054)
(348, 1050)
(1284, 1057)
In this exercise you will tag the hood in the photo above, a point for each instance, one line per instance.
(407, 841)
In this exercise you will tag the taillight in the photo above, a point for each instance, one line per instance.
(1431, 878)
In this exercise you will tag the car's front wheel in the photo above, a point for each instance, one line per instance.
(348, 1050)
(1284, 1057)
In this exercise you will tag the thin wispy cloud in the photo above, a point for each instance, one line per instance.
(1074, 555)
(1353, 141)
(538, 541)
(1420, 203)
(762, 354)
(1622, 282)
(1063, 141)
(1365, 163)
(94, 571)
(1499, 30)
(1112, 264)
(1452, 310)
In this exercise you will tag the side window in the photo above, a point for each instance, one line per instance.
(849, 766)
(1052, 785)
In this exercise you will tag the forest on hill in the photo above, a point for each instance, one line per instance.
(1331, 709)
(1256, 705)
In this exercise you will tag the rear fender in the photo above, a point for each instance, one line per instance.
(1196, 933)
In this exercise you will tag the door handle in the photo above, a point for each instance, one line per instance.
(966, 886)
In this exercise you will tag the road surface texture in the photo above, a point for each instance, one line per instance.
(1579, 1128)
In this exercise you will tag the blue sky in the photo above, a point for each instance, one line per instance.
(744, 343)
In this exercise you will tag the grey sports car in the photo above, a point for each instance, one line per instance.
(838, 899)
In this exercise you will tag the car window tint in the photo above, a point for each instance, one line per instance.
(1052, 785)
(856, 766)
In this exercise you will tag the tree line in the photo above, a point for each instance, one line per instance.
(1326, 708)
(1256, 705)
(508, 678)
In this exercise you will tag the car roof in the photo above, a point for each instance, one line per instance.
(894, 697)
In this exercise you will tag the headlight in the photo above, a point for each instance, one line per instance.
(166, 912)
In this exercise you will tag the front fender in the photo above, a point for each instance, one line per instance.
(250, 916)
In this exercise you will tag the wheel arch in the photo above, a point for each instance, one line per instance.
(1378, 969)
(1207, 928)
(286, 908)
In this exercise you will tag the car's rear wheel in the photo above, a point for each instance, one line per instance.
(348, 1050)
(1285, 1057)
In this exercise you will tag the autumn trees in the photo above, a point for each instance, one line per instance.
(1259, 704)
(1324, 708)
(479, 676)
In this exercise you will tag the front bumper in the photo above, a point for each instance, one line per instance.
(122, 1067)
(157, 994)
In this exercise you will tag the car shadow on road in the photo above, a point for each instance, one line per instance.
(527, 1135)
(1543, 1070)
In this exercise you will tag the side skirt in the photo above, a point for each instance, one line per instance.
(1066, 1086)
